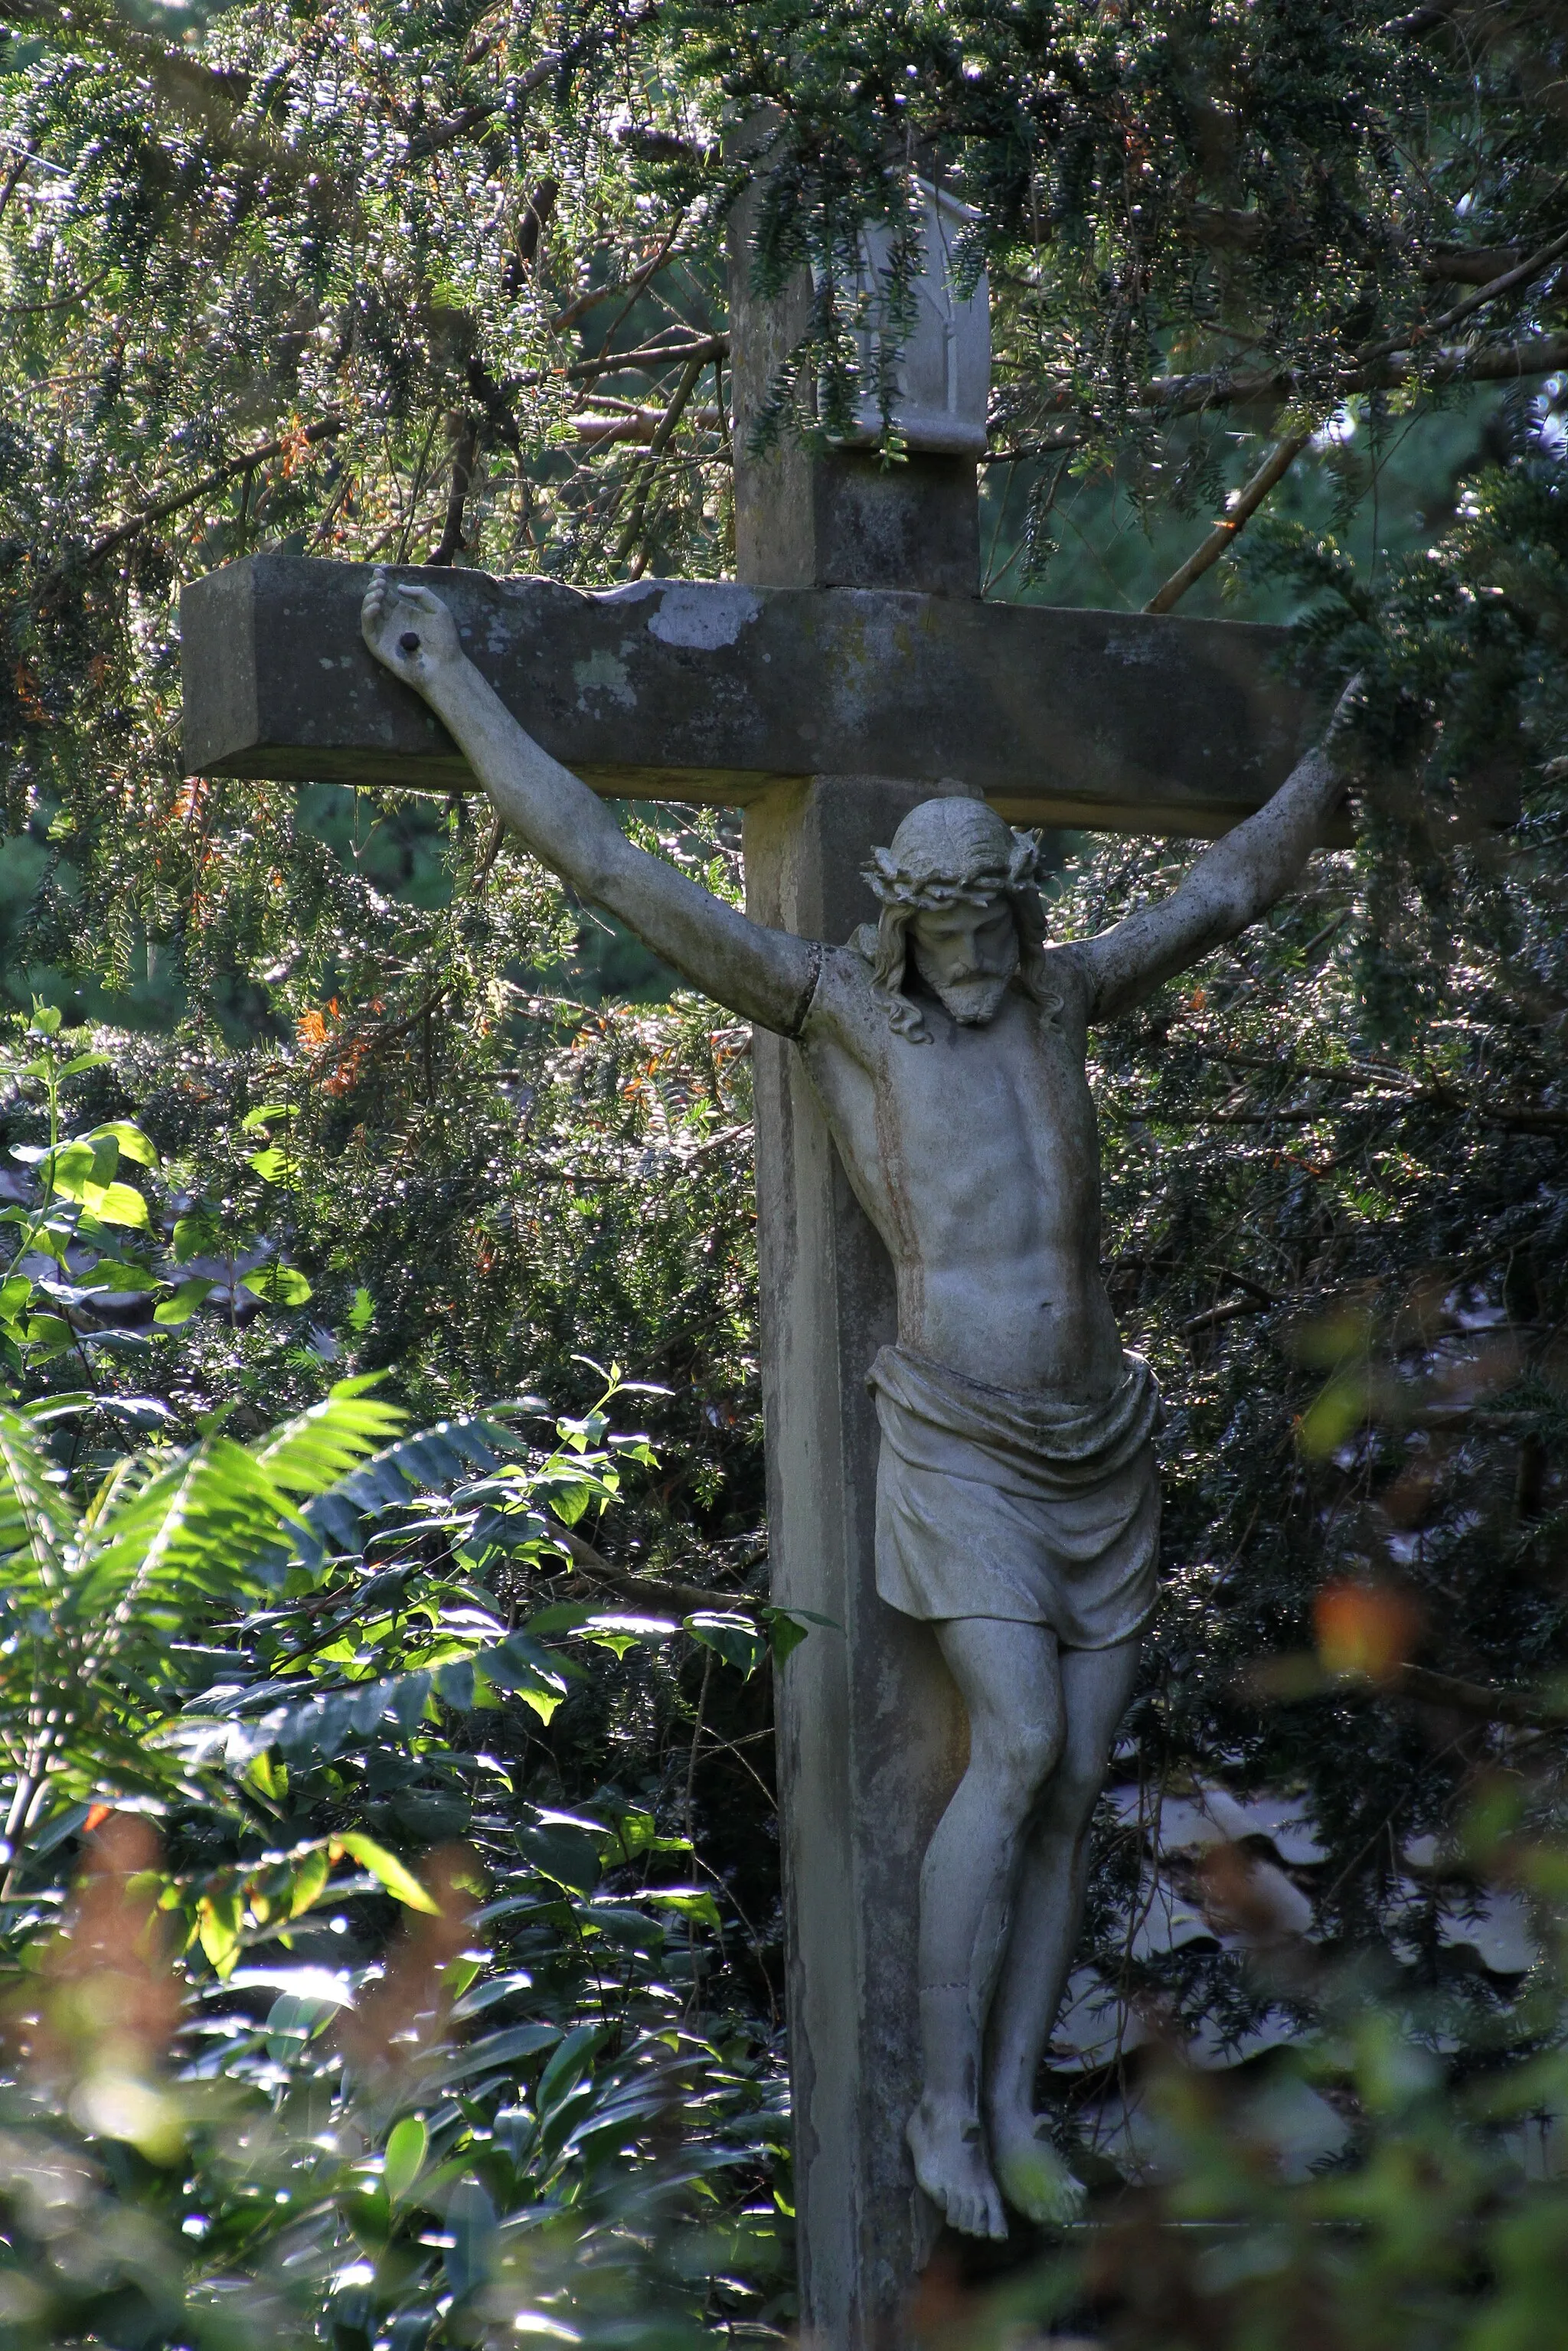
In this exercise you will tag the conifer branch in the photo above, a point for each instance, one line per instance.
(325, 429)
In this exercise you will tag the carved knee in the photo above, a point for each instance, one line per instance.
(1073, 1794)
(1020, 1757)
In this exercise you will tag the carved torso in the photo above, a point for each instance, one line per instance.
(975, 1152)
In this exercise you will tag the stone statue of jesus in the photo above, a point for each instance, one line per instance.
(1017, 1503)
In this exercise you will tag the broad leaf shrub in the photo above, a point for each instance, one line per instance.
(260, 1702)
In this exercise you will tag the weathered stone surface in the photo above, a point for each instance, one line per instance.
(871, 1736)
(715, 691)
(808, 517)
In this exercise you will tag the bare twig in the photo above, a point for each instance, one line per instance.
(708, 346)
(666, 426)
(60, 302)
(689, 1599)
(639, 426)
(1242, 508)
(1184, 396)
(564, 320)
(1530, 1708)
(1213, 1317)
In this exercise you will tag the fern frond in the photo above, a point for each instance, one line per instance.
(430, 1457)
(319, 1446)
(36, 1519)
(204, 1530)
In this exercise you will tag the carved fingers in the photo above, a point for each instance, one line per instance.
(409, 630)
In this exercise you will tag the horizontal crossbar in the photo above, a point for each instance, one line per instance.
(709, 691)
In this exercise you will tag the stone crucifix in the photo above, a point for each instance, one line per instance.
(982, 1533)
(1016, 1502)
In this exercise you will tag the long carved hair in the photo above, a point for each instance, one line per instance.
(946, 851)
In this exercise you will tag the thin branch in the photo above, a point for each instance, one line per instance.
(1242, 508)
(465, 440)
(1530, 1708)
(689, 1599)
(1511, 281)
(639, 426)
(60, 302)
(666, 426)
(564, 320)
(1183, 395)
(9, 185)
(326, 429)
(709, 347)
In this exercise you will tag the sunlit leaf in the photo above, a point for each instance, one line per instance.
(400, 1881)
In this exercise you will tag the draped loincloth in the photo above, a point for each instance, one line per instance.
(1033, 1506)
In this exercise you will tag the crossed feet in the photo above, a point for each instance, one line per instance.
(952, 2165)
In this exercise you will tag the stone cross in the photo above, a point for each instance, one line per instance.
(847, 673)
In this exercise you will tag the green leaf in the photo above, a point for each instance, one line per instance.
(127, 1278)
(785, 1631)
(114, 1204)
(310, 1879)
(268, 1775)
(739, 1640)
(275, 1166)
(363, 1312)
(498, 2049)
(129, 1138)
(404, 2160)
(400, 1882)
(689, 1901)
(268, 1114)
(472, 2229)
(280, 1285)
(195, 1235)
(172, 1312)
(620, 1632)
(74, 1168)
(50, 1334)
(218, 1918)
(563, 1849)
(567, 1498)
(294, 2019)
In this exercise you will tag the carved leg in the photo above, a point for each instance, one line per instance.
(1096, 1685)
(1006, 1675)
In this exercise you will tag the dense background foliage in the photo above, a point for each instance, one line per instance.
(363, 281)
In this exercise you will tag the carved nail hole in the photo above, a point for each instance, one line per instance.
(408, 642)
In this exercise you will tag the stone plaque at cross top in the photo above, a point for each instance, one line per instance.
(961, 1476)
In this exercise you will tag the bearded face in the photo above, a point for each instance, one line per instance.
(967, 954)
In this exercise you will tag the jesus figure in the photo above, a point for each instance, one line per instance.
(1018, 1502)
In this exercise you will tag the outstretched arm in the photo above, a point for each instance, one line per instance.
(1233, 883)
(765, 976)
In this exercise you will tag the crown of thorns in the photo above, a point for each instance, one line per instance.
(927, 889)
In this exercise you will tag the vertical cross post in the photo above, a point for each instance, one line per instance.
(871, 1736)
